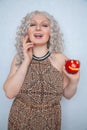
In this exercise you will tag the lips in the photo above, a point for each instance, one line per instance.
(38, 35)
(72, 66)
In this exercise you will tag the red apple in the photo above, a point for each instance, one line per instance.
(72, 66)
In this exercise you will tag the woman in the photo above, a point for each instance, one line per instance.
(38, 79)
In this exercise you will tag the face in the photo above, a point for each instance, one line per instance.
(39, 29)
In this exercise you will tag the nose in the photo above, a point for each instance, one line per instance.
(38, 27)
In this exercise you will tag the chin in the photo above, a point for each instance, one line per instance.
(42, 42)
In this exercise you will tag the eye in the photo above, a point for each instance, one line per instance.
(32, 24)
(45, 25)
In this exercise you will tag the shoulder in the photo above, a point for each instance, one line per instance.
(13, 67)
(59, 60)
(14, 61)
(60, 57)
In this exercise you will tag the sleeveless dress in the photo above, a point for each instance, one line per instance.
(37, 105)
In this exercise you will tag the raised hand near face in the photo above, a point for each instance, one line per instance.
(27, 48)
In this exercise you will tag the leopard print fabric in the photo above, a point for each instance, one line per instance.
(37, 106)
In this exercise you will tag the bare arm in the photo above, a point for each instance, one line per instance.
(70, 81)
(17, 74)
(70, 84)
(15, 78)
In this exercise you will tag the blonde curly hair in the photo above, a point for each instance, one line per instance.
(55, 43)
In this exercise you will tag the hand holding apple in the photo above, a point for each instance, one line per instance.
(72, 66)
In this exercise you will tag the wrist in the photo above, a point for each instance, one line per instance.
(73, 82)
(26, 62)
(74, 78)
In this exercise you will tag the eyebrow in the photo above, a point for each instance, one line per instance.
(44, 21)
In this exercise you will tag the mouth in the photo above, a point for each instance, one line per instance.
(73, 68)
(38, 35)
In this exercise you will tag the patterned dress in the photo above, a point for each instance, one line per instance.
(37, 106)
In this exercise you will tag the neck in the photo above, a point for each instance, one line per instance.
(40, 51)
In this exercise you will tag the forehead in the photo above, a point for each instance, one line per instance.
(39, 17)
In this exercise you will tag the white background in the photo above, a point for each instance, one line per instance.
(72, 17)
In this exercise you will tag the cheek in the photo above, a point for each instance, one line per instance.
(47, 35)
(30, 33)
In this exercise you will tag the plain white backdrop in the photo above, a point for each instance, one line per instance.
(72, 17)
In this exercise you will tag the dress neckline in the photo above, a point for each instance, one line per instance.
(45, 61)
(42, 58)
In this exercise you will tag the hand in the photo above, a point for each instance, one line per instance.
(27, 49)
(73, 78)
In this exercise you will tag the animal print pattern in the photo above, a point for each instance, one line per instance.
(37, 106)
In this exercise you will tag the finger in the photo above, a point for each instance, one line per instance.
(25, 39)
(65, 72)
(64, 69)
(27, 47)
